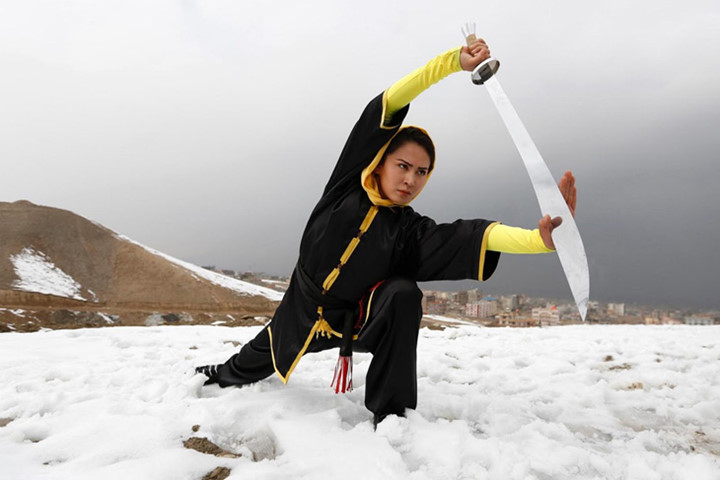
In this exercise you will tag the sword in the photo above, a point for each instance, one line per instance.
(568, 243)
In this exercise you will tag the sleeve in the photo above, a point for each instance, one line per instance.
(449, 251)
(406, 89)
(506, 239)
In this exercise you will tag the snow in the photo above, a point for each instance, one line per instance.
(580, 402)
(450, 320)
(37, 273)
(233, 284)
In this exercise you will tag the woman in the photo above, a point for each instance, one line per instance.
(364, 250)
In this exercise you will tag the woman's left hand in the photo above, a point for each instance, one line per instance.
(473, 55)
(546, 225)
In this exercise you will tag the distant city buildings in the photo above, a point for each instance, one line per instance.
(274, 282)
(519, 310)
(662, 320)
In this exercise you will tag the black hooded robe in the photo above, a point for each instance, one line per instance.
(350, 245)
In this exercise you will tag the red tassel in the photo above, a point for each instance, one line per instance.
(342, 380)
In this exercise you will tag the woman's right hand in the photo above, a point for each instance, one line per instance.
(474, 54)
(546, 225)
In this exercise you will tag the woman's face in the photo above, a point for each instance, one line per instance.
(404, 173)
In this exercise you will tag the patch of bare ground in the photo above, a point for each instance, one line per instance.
(220, 473)
(704, 442)
(260, 444)
(635, 386)
(203, 445)
(61, 318)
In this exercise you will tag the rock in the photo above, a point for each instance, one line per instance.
(67, 319)
(203, 445)
(63, 317)
(220, 473)
(154, 320)
(171, 318)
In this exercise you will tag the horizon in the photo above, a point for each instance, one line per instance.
(459, 286)
(442, 286)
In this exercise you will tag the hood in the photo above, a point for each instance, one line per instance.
(369, 183)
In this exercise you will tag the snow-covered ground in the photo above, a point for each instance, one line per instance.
(450, 320)
(585, 402)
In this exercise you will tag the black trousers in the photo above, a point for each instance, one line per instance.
(390, 334)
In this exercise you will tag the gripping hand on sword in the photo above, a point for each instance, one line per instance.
(472, 55)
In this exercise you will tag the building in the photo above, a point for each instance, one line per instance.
(435, 303)
(616, 309)
(662, 320)
(546, 316)
(511, 320)
(481, 309)
(701, 320)
(474, 295)
(461, 297)
(509, 303)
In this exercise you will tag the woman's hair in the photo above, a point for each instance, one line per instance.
(415, 135)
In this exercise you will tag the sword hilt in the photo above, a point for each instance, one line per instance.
(487, 68)
(484, 71)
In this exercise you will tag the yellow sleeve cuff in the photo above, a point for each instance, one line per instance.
(506, 239)
(406, 89)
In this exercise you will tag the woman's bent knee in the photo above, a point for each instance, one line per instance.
(403, 288)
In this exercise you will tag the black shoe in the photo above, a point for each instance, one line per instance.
(210, 371)
(377, 418)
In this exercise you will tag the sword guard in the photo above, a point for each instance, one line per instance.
(484, 71)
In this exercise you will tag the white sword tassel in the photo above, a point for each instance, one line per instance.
(568, 242)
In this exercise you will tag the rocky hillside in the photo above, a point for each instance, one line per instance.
(58, 269)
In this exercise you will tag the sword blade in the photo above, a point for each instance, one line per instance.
(568, 242)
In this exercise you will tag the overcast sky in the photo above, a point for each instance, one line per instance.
(207, 129)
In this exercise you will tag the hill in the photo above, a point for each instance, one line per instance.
(60, 269)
